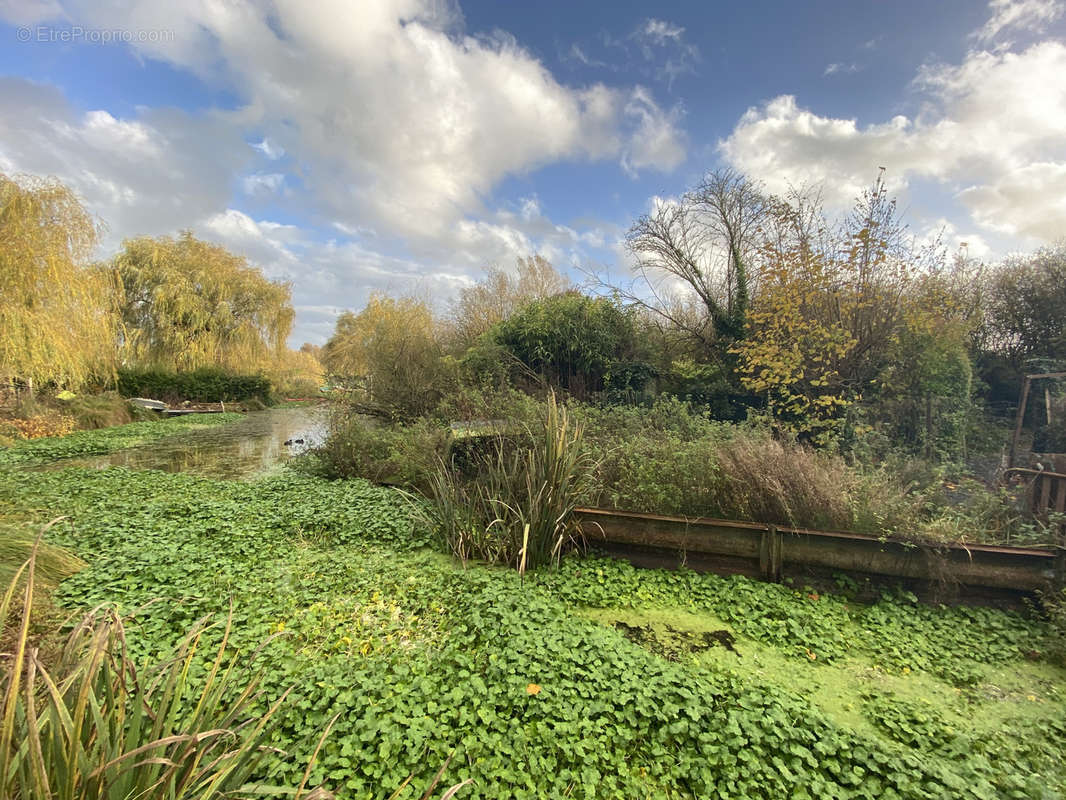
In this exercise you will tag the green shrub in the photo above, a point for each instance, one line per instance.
(103, 410)
(671, 458)
(577, 343)
(207, 385)
(362, 447)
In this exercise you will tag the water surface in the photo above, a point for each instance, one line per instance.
(241, 449)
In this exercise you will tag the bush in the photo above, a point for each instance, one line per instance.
(39, 426)
(390, 357)
(671, 458)
(362, 447)
(106, 410)
(519, 509)
(577, 343)
(206, 385)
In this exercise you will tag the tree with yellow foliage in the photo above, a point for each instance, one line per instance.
(57, 317)
(830, 306)
(297, 373)
(500, 294)
(188, 304)
(390, 355)
(798, 335)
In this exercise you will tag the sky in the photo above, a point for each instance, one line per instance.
(353, 146)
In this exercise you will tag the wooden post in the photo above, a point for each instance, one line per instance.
(1018, 422)
(770, 555)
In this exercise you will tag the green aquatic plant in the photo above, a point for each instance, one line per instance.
(98, 726)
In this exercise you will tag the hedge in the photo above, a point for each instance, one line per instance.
(202, 385)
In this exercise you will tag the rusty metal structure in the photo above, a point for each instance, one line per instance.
(974, 573)
(1023, 401)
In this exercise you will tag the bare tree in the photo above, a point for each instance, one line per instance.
(700, 246)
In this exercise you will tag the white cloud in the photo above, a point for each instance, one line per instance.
(154, 174)
(656, 139)
(269, 149)
(380, 121)
(25, 12)
(1030, 15)
(391, 115)
(1027, 201)
(840, 67)
(263, 183)
(946, 233)
(990, 132)
(660, 31)
(663, 43)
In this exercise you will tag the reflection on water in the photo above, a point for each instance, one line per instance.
(238, 450)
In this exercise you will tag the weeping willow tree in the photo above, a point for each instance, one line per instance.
(390, 354)
(188, 304)
(57, 315)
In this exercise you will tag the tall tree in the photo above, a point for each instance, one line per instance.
(500, 294)
(1027, 309)
(577, 343)
(390, 355)
(831, 305)
(187, 304)
(700, 247)
(57, 318)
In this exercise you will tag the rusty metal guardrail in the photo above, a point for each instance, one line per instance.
(772, 553)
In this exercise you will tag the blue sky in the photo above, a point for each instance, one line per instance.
(405, 145)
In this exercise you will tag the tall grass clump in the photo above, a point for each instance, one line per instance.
(670, 458)
(518, 507)
(95, 727)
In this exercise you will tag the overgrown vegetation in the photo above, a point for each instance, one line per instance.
(99, 725)
(670, 457)
(163, 304)
(518, 506)
(768, 364)
(422, 659)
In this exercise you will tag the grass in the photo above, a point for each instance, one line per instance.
(518, 509)
(425, 660)
(104, 410)
(669, 458)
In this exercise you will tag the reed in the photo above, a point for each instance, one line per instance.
(518, 509)
(95, 727)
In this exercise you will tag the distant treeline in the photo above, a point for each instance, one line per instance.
(848, 333)
(174, 304)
